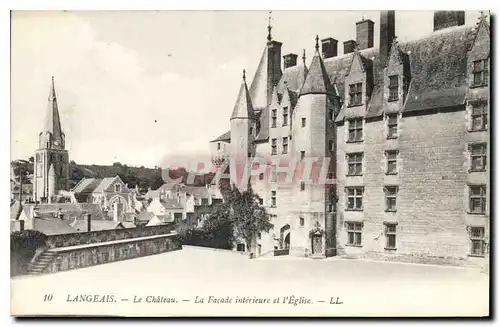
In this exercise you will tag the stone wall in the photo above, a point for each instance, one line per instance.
(96, 254)
(55, 241)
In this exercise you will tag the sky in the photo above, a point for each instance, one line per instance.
(135, 86)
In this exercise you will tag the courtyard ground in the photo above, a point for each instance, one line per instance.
(293, 286)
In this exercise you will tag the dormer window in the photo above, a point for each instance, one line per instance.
(480, 72)
(355, 94)
(285, 116)
(393, 87)
(274, 117)
(118, 188)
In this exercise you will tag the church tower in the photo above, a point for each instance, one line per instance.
(51, 166)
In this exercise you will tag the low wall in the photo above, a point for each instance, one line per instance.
(57, 241)
(96, 254)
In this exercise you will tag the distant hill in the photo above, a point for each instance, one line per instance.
(132, 176)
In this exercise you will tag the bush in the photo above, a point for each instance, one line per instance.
(23, 246)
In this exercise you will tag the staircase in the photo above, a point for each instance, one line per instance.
(40, 262)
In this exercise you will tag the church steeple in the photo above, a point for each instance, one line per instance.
(52, 136)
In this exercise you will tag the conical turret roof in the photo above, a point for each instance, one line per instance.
(243, 107)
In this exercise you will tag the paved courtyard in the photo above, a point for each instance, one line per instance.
(365, 288)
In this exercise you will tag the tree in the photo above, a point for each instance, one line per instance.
(248, 215)
(31, 159)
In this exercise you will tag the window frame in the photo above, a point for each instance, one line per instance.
(285, 117)
(482, 72)
(285, 145)
(303, 122)
(482, 115)
(481, 239)
(356, 229)
(483, 156)
(481, 197)
(302, 186)
(392, 134)
(355, 159)
(273, 199)
(274, 118)
(389, 160)
(357, 194)
(355, 94)
(274, 146)
(302, 155)
(391, 193)
(389, 233)
(393, 87)
(355, 125)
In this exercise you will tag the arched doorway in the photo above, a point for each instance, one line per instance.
(285, 237)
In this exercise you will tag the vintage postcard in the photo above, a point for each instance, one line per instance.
(250, 163)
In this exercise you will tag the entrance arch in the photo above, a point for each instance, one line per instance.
(285, 237)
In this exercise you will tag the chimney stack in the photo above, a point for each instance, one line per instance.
(273, 67)
(387, 34)
(364, 34)
(290, 60)
(444, 19)
(89, 222)
(349, 46)
(329, 47)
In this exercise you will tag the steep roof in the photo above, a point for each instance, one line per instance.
(258, 88)
(170, 204)
(94, 185)
(145, 216)
(52, 226)
(243, 107)
(224, 137)
(438, 65)
(317, 81)
(293, 78)
(52, 120)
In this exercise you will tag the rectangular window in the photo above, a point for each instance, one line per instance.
(390, 236)
(303, 122)
(274, 117)
(393, 87)
(285, 116)
(261, 176)
(330, 145)
(118, 188)
(392, 162)
(478, 157)
(355, 130)
(477, 241)
(285, 145)
(354, 231)
(354, 164)
(479, 116)
(273, 173)
(301, 221)
(261, 201)
(391, 193)
(218, 146)
(302, 155)
(273, 199)
(274, 147)
(392, 126)
(251, 131)
(477, 199)
(355, 94)
(480, 72)
(354, 198)
(302, 186)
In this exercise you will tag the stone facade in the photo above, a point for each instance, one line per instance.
(403, 124)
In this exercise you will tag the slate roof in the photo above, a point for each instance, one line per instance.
(293, 78)
(70, 211)
(243, 107)
(224, 137)
(52, 226)
(170, 204)
(317, 81)
(93, 185)
(145, 216)
(258, 88)
(95, 225)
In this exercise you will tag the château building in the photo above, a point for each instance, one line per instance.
(406, 126)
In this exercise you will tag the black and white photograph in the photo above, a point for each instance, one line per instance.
(250, 163)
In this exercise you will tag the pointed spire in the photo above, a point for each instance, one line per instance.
(53, 121)
(317, 80)
(304, 56)
(243, 107)
(269, 27)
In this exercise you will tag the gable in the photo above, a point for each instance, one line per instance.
(356, 66)
(481, 46)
